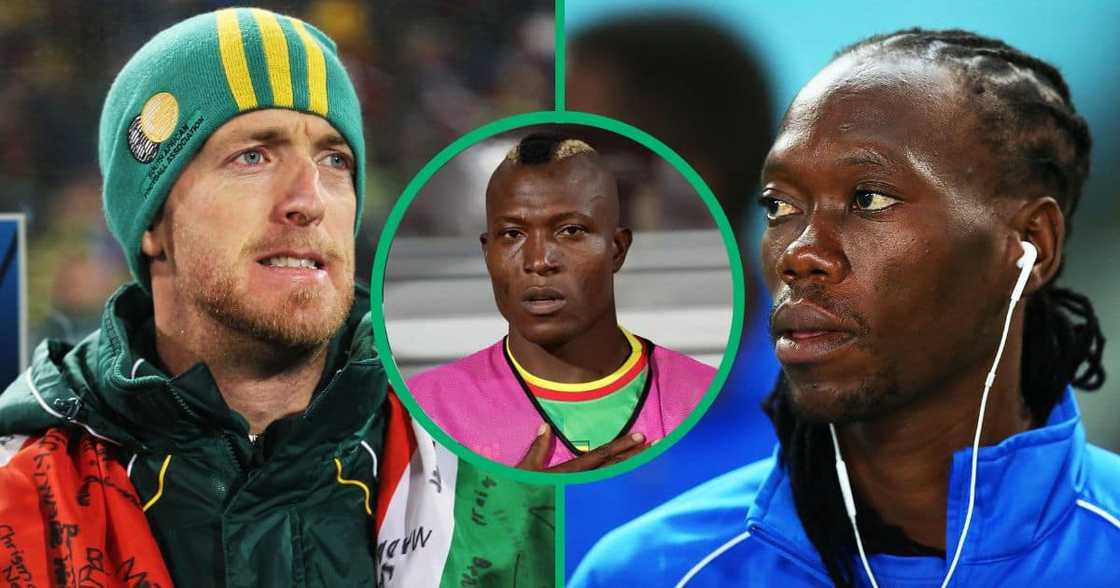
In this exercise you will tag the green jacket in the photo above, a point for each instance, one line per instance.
(290, 509)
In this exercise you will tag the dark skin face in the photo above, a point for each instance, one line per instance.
(890, 257)
(879, 204)
(552, 246)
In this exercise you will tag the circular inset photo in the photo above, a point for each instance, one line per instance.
(558, 297)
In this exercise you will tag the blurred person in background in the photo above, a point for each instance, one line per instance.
(918, 182)
(224, 425)
(76, 260)
(568, 389)
(703, 92)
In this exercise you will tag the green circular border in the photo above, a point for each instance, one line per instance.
(384, 245)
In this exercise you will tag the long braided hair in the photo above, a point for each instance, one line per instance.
(1028, 120)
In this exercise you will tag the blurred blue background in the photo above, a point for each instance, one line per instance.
(790, 42)
(12, 338)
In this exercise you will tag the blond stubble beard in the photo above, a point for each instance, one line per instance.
(210, 284)
(287, 324)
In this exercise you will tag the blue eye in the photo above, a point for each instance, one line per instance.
(253, 157)
(338, 160)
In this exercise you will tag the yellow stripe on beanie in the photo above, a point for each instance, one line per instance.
(316, 70)
(233, 59)
(276, 56)
(170, 97)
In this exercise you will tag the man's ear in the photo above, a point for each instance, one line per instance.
(1042, 222)
(152, 242)
(622, 240)
(484, 240)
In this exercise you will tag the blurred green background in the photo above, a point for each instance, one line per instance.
(426, 72)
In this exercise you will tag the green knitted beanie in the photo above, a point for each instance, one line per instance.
(191, 79)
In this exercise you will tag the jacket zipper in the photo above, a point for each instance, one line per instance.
(232, 453)
(778, 545)
(182, 403)
(318, 398)
(225, 436)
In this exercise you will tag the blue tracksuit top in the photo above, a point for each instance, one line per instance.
(1047, 513)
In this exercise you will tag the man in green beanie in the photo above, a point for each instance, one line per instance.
(224, 427)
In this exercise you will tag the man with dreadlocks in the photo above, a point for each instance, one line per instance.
(904, 178)
(567, 371)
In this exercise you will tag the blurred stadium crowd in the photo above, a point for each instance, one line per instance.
(426, 72)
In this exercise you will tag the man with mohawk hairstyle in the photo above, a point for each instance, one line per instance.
(230, 423)
(568, 389)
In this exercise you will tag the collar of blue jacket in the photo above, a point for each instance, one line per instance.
(1046, 512)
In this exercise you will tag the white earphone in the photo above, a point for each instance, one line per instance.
(1025, 263)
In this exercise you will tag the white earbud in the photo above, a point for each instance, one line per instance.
(1025, 264)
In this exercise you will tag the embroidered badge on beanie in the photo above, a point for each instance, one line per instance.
(152, 126)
